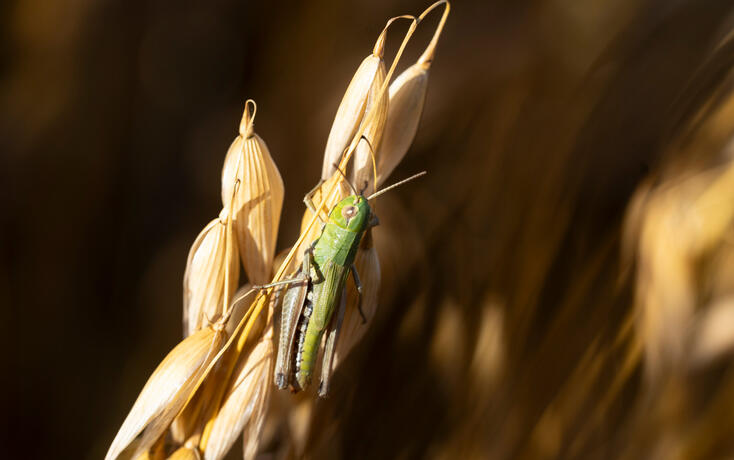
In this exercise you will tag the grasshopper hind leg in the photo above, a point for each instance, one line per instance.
(330, 348)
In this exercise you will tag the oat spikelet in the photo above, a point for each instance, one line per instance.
(363, 176)
(245, 402)
(353, 327)
(407, 95)
(258, 201)
(166, 392)
(204, 278)
(351, 111)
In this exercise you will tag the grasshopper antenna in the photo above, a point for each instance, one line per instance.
(397, 184)
(345, 179)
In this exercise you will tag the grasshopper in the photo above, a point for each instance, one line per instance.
(318, 288)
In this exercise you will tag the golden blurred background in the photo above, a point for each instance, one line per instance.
(561, 284)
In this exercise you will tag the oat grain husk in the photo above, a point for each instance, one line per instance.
(166, 392)
(258, 201)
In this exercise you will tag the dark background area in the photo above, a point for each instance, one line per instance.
(541, 120)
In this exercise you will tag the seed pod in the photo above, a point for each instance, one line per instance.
(258, 200)
(354, 327)
(204, 278)
(352, 108)
(407, 95)
(166, 392)
(245, 402)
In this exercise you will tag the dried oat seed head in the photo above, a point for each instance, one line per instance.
(367, 148)
(407, 95)
(166, 392)
(204, 278)
(258, 200)
(353, 106)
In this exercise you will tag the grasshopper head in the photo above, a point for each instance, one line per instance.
(351, 213)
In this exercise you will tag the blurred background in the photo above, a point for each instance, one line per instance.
(561, 284)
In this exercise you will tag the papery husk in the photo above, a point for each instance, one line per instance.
(192, 420)
(351, 111)
(354, 327)
(258, 201)
(407, 96)
(166, 392)
(204, 278)
(363, 176)
(245, 402)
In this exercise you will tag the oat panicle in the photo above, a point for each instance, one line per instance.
(217, 382)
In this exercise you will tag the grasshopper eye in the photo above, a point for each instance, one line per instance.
(349, 211)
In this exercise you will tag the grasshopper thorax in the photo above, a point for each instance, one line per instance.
(352, 214)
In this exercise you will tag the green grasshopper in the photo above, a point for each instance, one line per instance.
(317, 289)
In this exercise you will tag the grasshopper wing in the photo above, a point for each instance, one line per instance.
(293, 301)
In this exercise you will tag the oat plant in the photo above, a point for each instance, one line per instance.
(217, 382)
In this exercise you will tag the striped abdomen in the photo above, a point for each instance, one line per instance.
(326, 295)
